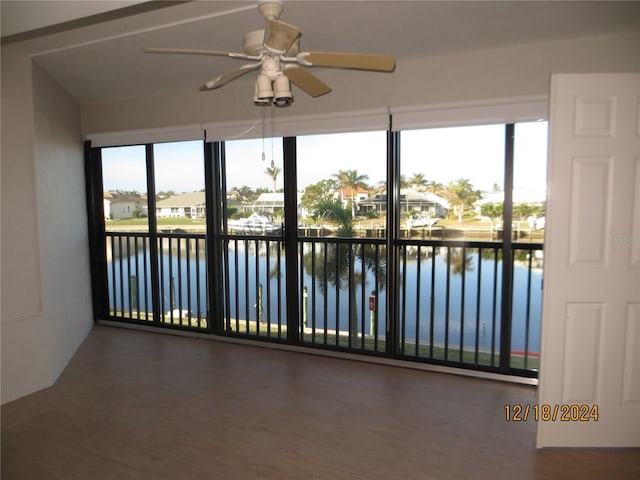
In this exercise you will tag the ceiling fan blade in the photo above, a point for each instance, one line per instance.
(228, 76)
(307, 82)
(187, 51)
(356, 61)
(279, 36)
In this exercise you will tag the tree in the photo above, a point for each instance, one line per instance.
(342, 257)
(380, 188)
(524, 210)
(317, 192)
(418, 182)
(459, 262)
(349, 179)
(164, 194)
(492, 210)
(331, 209)
(244, 193)
(436, 188)
(461, 196)
(273, 173)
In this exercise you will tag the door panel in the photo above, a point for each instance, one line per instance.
(590, 202)
(635, 231)
(590, 326)
(631, 388)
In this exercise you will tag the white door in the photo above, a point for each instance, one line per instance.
(591, 303)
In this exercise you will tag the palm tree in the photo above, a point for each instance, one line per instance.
(243, 193)
(381, 187)
(461, 195)
(349, 179)
(341, 259)
(459, 262)
(334, 210)
(418, 182)
(436, 188)
(273, 173)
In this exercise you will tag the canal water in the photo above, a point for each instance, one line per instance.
(437, 289)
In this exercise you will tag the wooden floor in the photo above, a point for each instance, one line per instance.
(136, 405)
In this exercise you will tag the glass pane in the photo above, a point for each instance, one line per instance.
(124, 176)
(529, 194)
(180, 213)
(254, 179)
(255, 302)
(530, 181)
(451, 183)
(450, 303)
(450, 298)
(180, 195)
(342, 178)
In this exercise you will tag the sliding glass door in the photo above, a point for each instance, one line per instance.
(421, 245)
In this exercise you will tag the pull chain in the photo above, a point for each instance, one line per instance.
(263, 118)
(272, 133)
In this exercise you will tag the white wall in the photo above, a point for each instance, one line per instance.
(25, 351)
(62, 213)
(46, 298)
(516, 71)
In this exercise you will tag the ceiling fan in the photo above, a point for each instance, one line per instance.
(275, 51)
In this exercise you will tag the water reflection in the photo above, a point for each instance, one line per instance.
(450, 295)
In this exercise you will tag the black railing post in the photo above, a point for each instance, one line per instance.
(507, 252)
(215, 213)
(97, 239)
(291, 239)
(153, 236)
(393, 231)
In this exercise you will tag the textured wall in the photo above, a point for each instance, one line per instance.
(46, 300)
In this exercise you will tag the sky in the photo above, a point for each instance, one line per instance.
(441, 154)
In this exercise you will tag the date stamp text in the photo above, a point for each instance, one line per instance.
(551, 413)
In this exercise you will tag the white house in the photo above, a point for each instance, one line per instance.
(188, 205)
(119, 206)
(267, 203)
(519, 196)
(346, 194)
(273, 202)
(410, 201)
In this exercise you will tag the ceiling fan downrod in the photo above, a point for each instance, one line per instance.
(271, 9)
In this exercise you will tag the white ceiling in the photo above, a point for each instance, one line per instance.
(18, 17)
(100, 57)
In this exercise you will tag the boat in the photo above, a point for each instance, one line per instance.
(424, 221)
(255, 224)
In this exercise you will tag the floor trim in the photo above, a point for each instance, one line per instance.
(328, 353)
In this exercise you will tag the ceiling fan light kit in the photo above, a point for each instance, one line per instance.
(275, 50)
(282, 96)
(264, 90)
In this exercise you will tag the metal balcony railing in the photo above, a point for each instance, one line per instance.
(447, 294)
